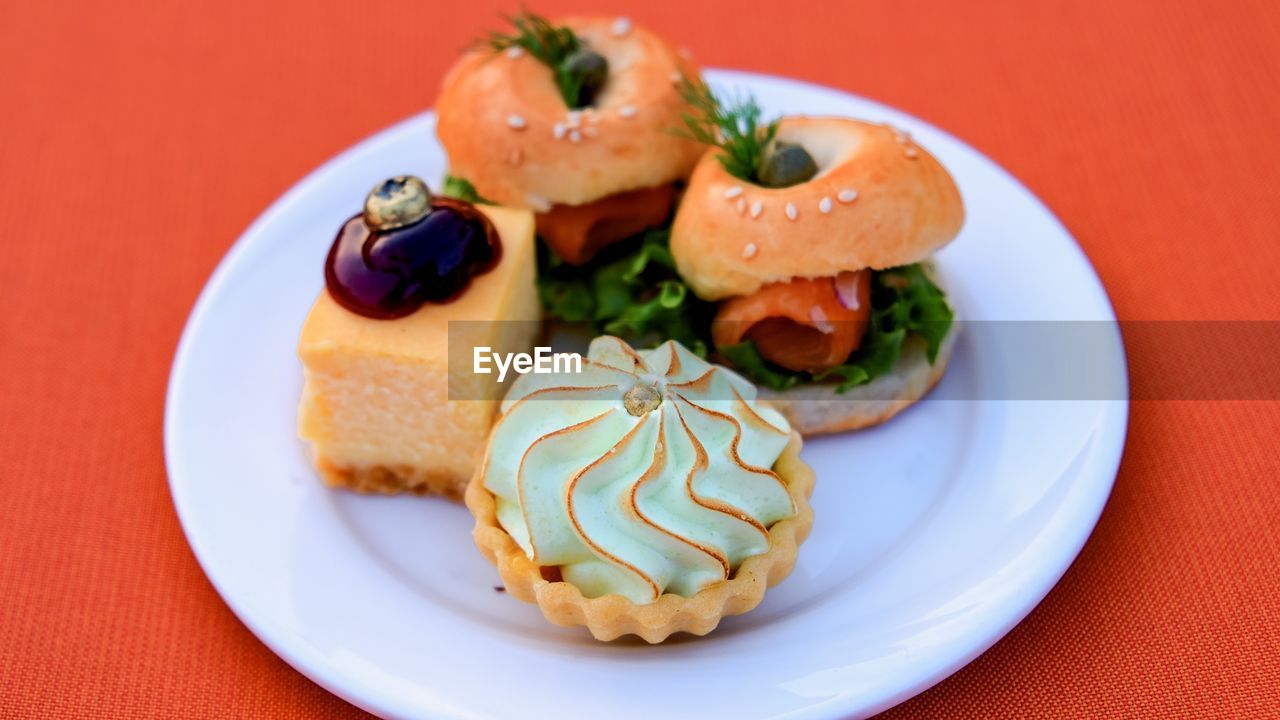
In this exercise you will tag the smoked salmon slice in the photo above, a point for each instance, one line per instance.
(804, 324)
(577, 232)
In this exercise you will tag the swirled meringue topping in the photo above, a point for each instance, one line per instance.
(647, 472)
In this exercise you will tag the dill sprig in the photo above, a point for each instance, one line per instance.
(546, 42)
(550, 44)
(736, 128)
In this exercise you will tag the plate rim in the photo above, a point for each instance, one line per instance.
(312, 665)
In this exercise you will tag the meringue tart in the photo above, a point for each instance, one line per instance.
(648, 494)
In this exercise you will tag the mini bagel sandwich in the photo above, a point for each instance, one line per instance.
(813, 235)
(571, 120)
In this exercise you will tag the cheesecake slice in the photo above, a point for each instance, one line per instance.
(380, 408)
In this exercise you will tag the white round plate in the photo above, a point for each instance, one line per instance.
(935, 534)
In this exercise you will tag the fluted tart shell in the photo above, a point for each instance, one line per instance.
(610, 617)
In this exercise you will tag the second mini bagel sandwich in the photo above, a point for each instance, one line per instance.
(571, 119)
(814, 235)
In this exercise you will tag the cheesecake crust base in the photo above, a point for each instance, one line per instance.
(392, 480)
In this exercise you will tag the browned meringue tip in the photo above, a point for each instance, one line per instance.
(612, 616)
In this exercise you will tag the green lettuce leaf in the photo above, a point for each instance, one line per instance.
(631, 290)
(746, 359)
(456, 187)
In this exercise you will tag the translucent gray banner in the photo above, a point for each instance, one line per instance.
(990, 360)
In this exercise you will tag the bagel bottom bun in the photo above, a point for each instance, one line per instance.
(816, 408)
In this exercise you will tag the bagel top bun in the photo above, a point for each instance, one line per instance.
(507, 130)
(878, 201)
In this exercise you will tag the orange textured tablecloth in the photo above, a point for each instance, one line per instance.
(140, 138)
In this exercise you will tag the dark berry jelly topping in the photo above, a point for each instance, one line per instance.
(388, 274)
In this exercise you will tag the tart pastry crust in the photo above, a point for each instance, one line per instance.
(612, 616)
